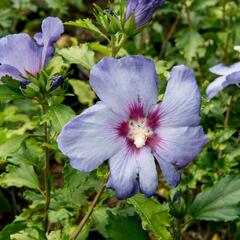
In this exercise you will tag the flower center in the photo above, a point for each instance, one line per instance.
(139, 132)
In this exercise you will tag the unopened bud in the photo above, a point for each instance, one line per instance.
(24, 84)
(57, 81)
(178, 206)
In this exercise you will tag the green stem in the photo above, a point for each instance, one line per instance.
(177, 229)
(170, 33)
(224, 14)
(229, 107)
(114, 53)
(89, 212)
(116, 48)
(46, 168)
(189, 19)
(226, 119)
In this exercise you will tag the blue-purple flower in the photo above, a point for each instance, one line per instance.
(228, 75)
(131, 129)
(142, 9)
(20, 54)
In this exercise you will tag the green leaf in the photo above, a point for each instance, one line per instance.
(59, 115)
(87, 24)
(78, 55)
(24, 5)
(120, 228)
(190, 43)
(59, 216)
(11, 229)
(10, 90)
(221, 202)
(203, 5)
(20, 176)
(59, 6)
(55, 66)
(7, 94)
(155, 217)
(29, 233)
(11, 146)
(83, 91)
(100, 219)
(30, 153)
(233, 154)
(72, 194)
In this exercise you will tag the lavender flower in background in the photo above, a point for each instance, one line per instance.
(142, 9)
(228, 75)
(21, 55)
(129, 128)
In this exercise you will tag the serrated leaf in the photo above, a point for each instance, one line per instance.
(221, 202)
(59, 216)
(7, 94)
(87, 24)
(9, 90)
(20, 176)
(83, 91)
(72, 194)
(78, 55)
(120, 228)
(59, 115)
(189, 42)
(155, 217)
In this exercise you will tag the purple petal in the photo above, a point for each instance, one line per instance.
(147, 172)
(123, 173)
(179, 146)
(215, 87)
(20, 52)
(90, 138)
(182, 100)
(222, 69)
(122, 83)
(169, 172)
(52, 28)
(38, 38)
(7, 70)
(233, 78)
(142, 9)
(130, 7)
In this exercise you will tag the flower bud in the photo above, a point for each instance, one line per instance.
(24, 84)
(56, 81)
(110, 11)
(142, 9)
(113, 21)
(178, 206)
(29, 89)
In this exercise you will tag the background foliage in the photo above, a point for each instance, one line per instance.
(205, 205)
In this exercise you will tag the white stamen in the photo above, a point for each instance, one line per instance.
(139, 132)
(139, 140)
